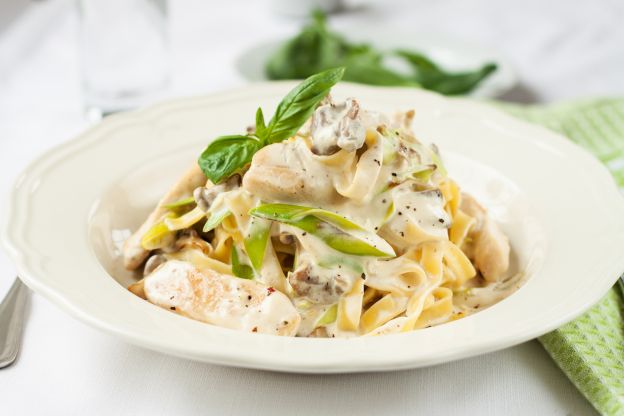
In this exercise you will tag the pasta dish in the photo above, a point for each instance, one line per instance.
(327, 221)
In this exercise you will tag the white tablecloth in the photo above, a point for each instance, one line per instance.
(65, 367)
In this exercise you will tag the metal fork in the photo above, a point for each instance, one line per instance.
(12, 322)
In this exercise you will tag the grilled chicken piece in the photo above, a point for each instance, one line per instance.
(285, 172)
(489, 247)
(133, 253)
(222, 300)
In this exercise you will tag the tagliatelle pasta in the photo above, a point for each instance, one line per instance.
(350, 227)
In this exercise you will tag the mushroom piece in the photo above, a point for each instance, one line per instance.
(190, 239)
(318, 284)
(337, 126)
(286, 238)
(133, 253)
(205, 195)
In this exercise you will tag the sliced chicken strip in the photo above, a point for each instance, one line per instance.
(221, 300)
(285, 172)
(133, 253)
(489, 247)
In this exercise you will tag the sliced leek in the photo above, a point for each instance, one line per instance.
(357, 241)
(239, 269)
(159, 235)
(180, 203)
(256, 241)
(329, 317)
(185, 221)
(215, 218)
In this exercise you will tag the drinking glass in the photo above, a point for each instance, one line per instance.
(123, 48)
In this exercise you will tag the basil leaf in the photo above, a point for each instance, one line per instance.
(434, 78)
(462, 82)
(369, 69)
(317, 48)
(299, 104)
(419, 62)
(228, 155)
(238, 269)
(313, 50)
(260, 125)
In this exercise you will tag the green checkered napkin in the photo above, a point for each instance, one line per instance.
(590, 349)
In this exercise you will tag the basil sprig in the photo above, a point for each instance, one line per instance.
(228, 155)
(318, 47)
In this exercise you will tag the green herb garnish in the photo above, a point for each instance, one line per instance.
(317, 48)
(228, 155)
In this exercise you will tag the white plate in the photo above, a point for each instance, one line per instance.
(73, 206)
(451, 54)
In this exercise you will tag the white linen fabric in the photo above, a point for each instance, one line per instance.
(561, 50)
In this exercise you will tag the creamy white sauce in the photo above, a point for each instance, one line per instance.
(424, 209)
(370, 216)
(272, 315)
(418, 216)
(326, 266)
(481, 294)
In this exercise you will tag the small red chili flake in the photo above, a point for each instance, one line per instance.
(270, 290)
